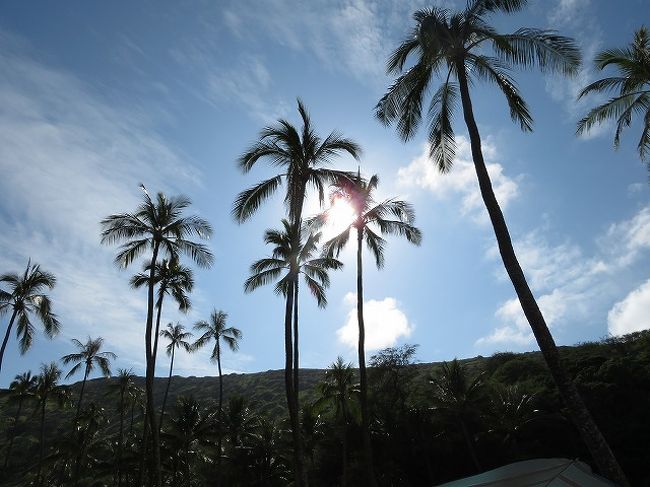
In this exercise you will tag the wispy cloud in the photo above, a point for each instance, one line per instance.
(69, 160)
(631, 314)
(385, 323)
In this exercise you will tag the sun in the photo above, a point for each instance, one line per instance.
(339, 216)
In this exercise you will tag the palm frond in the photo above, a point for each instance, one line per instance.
(441, 131)
(248, 201)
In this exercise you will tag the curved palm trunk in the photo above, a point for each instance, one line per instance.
(157, 334)
(219, 412)
(363, 381)
(81, 394)
(13, 433)
(6, 339)
(580, 415)
(169, 381)
(150, 359)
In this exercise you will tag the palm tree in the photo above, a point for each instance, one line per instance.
(24, 298)
(304, 157)
(20, 390)
(177, 337)
(216, 330)
(123, 386)
(88, 356)
(458, 397)
(160, 227)
(371, 219)
(632, 85)
(173, 279)
(288, 260)
(338, 388)
(455, 46)
(47, 387)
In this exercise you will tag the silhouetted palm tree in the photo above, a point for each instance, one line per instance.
(88, 356)
(216, 330)
(304, 157)
(123, 385)
(460, 398)
(178, 338)
(454, 45)
(371, 220)
(20, 390)
(338, 388)
(172, 279)
(47, 388)
(161, 228)
(632, 86)
(24, 298)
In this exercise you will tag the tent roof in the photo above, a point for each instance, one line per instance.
(542, 472)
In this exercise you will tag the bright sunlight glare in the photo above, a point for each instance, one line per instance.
(339, 216)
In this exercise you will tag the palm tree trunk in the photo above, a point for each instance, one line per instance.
(296, 379)
(150, 359)
(288, 383)
(13, 433)
(81, 394)
(365, 420)
(120, 445)
(580, 415)
(41, 449)
(155, 338)
(219, 412)
(6, 339)
(169, 381)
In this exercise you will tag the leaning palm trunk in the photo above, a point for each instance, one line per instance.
(363, 381)
(7, 335)
(582, 419)
(81, 394)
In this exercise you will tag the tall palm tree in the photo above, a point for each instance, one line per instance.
(89, 356)
(455, 45)
(371, 220)
(303, 157)
(173, 279)
(632, 86)
(178, 338)
(123, 385)
(216, 330)
(338, 388)
(460, 398)
(160, 227)
(20, 390)
(24, 298)
(47, 388)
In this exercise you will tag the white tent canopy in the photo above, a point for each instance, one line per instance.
(542, 472)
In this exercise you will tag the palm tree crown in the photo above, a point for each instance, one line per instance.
(24, 297)
(158, 224)
(22, 387)
(447, 44)
(177, 337)
(302, 155)
(292, 256)
(632, 86)
(89, 356)
(216, 330)
(172, 278)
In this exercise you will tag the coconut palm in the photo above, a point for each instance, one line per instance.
(303, 157)
(456, 46)
(371, 220)
(460, 398)
(632, 90)
(178, 338)
(25, 298)
(338, 389)
(89, 356)
(20, 390)
(216, 331)
(123, 385)
(159, 227)
(173, 279)
(47, 388)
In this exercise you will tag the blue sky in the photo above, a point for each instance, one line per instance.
(98, 97)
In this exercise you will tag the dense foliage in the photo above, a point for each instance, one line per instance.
(430, 422)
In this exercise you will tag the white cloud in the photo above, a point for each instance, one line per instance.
(384, 323)
(568, 11)
(461, 180)
(625, 241)
(632, 313)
